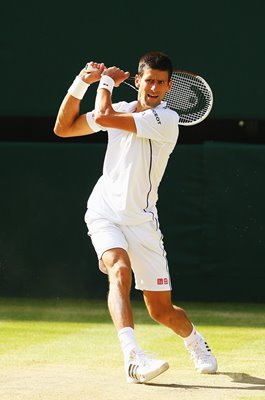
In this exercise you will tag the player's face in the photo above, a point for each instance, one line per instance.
(152, 85)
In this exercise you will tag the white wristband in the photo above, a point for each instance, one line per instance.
(106, 82)
(78, 88)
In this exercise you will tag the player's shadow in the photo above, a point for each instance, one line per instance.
(244, 378)
(257, 383)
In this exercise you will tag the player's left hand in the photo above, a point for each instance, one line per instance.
(92, 76)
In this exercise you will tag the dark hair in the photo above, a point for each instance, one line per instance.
(155, 60)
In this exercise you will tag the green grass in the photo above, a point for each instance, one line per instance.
(74, 332)
(50, 330)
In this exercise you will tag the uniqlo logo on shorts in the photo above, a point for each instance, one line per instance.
(162, 281)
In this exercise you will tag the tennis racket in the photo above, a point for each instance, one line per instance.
(190, 96)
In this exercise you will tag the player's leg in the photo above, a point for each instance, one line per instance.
(149, 263)
(111, 247)
(162, 310)
(118, 266)
(138, 367)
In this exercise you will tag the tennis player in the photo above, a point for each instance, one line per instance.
(121, 215)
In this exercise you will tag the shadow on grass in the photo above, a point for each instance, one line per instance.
(244, 378)
(257, 383)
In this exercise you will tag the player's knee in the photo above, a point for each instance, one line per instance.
(120, 273)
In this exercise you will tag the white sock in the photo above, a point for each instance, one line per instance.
(192, 337)
(127, 340)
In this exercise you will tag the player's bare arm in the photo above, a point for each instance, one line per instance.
(69, 122)
(105, 115)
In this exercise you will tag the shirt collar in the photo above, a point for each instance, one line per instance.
(133, 105)
(163, 104)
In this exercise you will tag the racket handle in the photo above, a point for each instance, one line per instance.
(89, 68)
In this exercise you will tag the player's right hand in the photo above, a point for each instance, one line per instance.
(117, 74)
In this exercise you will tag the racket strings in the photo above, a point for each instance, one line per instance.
(189, 96)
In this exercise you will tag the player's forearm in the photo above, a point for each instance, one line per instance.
(103, 106)
(111, 77)
(68, 122)
(104, 114)
(67, 114)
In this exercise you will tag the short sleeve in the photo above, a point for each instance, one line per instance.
(96, 127)
(91, 122)
(160, 124)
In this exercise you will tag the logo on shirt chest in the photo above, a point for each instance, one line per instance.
(156, 116)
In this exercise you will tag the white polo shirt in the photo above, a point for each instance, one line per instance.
(134, 165)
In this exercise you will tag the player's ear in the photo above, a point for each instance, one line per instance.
(137, 81)
(169, 85)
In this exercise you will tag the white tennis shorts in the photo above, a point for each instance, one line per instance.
(143, 243)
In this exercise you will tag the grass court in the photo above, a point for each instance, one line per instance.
(68, 349)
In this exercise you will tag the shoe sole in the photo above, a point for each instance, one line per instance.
(206, 371)
(151, 375)
(209, 370)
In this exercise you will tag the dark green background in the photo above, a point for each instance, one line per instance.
(45, 44)
(211, 213)
(212, 198)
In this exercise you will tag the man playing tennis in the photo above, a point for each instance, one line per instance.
(121, 215)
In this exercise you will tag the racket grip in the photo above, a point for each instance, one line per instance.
(89, 68)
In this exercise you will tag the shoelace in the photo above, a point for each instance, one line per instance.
(197, 352)
(143, 358)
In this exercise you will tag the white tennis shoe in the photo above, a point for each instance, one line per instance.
(140, 369)
(204, 360)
